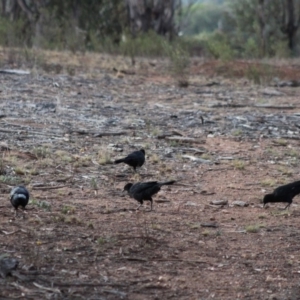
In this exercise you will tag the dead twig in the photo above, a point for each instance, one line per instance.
(275, 106)
(115, 292)
(162, 201)
(239, 188)
(23, 289)
(136, 259)
(53, 290)
(136, 237)
(184, 184)
(217, 169)
(9, 233)
(182, 260)
(116, 211)
(212, 225)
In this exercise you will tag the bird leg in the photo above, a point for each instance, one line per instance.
(151, 204)
(287, 206)
(24, 213)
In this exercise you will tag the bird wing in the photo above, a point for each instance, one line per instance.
(144, 190)
(142, 186)
(19, 190)
(294, 189)
(289, 190)
(134, 157)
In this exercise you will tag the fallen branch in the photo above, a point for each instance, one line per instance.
(184, 139)
(206, 193)
(218, 169)
(115, 211)
(275, 106)
(165, 259)
(79, 284)
(115, 133)
(164, 135)
(294, 137)
(162, 201)
(195, 150)
(169, 134)
(13, 130)
(28, 132)
(151, 286)
(213, 225)
(45, 188)
(99, 134)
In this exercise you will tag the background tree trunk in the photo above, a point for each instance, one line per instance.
(157, 15)
(262, 25)
(290, 22)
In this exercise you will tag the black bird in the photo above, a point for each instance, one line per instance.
(19, 196)
(134, 159)
(141, 191)
(284, 193)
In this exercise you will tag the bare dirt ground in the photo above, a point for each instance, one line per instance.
(222, 138)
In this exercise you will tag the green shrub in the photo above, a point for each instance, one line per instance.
(179, 63)
(217, 45)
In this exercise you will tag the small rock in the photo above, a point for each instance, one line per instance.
(219, 202)
(115, 147)
(271, 92)
(168, 152)
(4, 147)
(190, 203)
(240, 203)
(197, 159)
(29, 267)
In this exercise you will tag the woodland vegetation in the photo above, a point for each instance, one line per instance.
(221, 29)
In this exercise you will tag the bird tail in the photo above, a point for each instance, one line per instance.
(18, 196)
(118, 161)
(167, 182)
